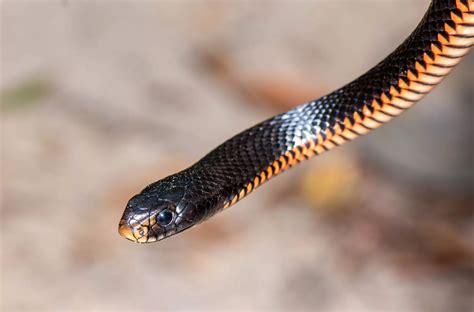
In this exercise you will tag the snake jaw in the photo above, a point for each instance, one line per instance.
(134, 231)
(126, 231)
(137, 234)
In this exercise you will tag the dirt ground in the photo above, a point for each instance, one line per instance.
(100, 98)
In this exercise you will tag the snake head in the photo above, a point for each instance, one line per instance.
(157, 212)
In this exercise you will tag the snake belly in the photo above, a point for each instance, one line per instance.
(252, 157)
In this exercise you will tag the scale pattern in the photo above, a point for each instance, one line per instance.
(246, 161)
(252, 157)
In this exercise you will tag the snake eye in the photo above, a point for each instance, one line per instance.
(165, 217)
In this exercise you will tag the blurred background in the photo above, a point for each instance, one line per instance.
(100, 98)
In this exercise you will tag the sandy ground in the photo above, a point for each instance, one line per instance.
(100, 98)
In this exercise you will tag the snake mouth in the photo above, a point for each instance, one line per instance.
(137, 234)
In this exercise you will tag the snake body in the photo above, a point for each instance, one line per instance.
(252, 157)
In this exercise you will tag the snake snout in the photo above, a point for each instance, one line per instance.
(137, 233)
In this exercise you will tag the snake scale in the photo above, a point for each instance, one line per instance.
(244, 162)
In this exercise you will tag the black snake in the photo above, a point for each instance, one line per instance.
(244, 162)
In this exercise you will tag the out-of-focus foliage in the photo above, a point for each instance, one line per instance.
(24, 95)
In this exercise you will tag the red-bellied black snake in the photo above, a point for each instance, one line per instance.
(247, 160)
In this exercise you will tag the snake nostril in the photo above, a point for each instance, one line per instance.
(140, 232)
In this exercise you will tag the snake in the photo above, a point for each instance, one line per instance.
(241, 164)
